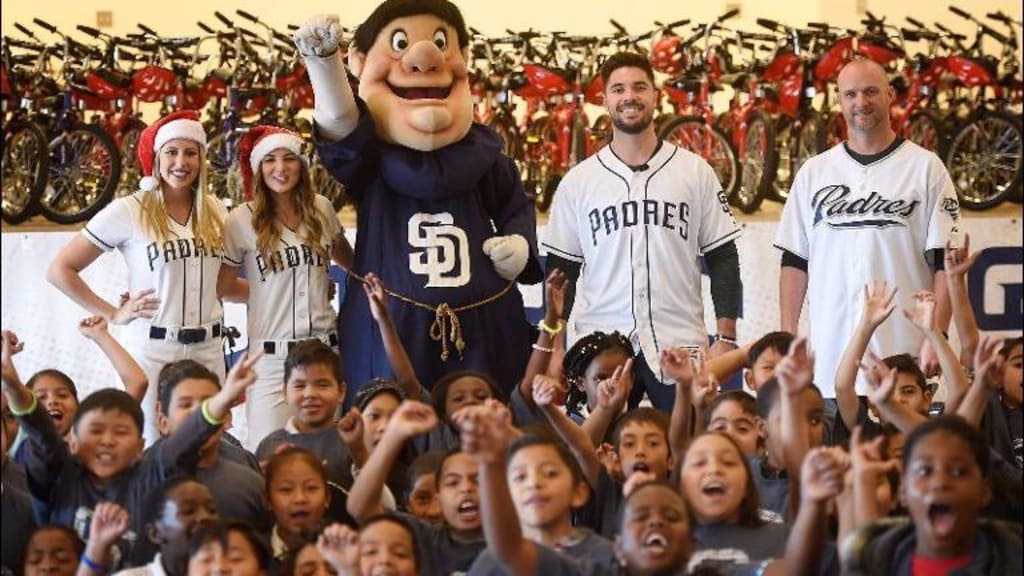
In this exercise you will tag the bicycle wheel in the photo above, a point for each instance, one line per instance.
(84, 171)
(24, 170)
(537, 160)
(984, 159)
(759, 162)
(804, 138)
(506, 130)
(601, 132)
(925, 129)
(222, 171)
(131, 172)
(710, 143)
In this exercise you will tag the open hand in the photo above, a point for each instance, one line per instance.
(142, 305)
(879, 302)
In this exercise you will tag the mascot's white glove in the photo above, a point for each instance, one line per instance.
(508, 253)
(335, 109)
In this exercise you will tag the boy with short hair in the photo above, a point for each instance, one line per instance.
(764, 355)
(314, 387)
(237, 489)
(107, 433)
(792, 409)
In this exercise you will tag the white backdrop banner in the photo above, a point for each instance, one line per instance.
(46, 320)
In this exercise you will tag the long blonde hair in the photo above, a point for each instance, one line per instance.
(207, 225)
(267, 225)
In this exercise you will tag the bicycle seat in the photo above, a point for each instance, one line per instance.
(685, 83)
(114, 78)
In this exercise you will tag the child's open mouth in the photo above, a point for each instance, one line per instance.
(942, 519)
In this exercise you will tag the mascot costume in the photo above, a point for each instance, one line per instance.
(442, 216)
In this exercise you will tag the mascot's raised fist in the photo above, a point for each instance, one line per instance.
(508, 253)
(318, 36)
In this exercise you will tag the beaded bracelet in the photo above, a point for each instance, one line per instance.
(540, 348)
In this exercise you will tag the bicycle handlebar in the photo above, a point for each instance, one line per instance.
(89, 30)
(46, 26)
(224, 19)
(619, 27)
(24, 30)
(23, 44)
(147, 29)
(728, 15)
(960, 13)
(247, 16)
(769, 24)
(202, 26)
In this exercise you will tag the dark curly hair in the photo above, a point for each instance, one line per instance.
(578, 358)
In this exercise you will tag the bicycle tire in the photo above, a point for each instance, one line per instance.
(131, 172)
(984, 159)
(83, 174)
(536, 159)
(545, 200)
(801, 140)
(25, 159)
(222, 171)
(689, 133)
(758, 165)
(926, 130)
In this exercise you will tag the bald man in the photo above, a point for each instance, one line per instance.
(875, 207)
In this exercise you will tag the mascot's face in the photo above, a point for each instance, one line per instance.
(415, 83)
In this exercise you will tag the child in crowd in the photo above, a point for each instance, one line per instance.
(590, 361)
(385, 545)
(227, 548)
(945, 485)
(314, 387)
(716, 480)
(654, 534)
(363, 426)
(792, 409)
(546, 485)
(994, 399)
(237, 489)
(16, 521)
(421, 499)
(52, 550)
(57, 392)
(107, 432)
(763, 356)
(299, 498)
(735, 413)
(911, 388)
(451, 546)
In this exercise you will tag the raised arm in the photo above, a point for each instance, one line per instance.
(958, 263)
(881, 383)
(794, 373)
(485, 437)
(411, 419)
(393, 347)
(869, 464)
(612, 395)
(988, 364)
(679, 366)
(552, 326)
(923, 318)
(132, 376)
(109, 522)
(821, 480)
(545, 389)
(335, 111)
(878, 306)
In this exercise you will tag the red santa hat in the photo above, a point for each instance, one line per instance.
(257, 143)
(184, 124)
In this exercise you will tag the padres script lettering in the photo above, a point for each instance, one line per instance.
(290, 257)
(669, 215)
(872, 211)
(171, 250)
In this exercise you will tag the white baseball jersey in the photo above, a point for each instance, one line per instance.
(182, 269)
(638, 236)
(856, 223)
(288, 290)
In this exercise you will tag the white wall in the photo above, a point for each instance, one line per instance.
(490, 16)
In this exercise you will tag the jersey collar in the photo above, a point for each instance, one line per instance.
(608, 158)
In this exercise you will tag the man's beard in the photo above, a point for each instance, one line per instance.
(635, 128)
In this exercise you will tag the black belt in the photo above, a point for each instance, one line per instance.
(185, 335)
(270, 347)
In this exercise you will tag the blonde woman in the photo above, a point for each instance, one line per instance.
(284, 239)
(170, 234)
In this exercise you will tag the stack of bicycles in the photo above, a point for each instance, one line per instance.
(755, 104)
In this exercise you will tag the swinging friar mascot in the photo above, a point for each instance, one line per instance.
(442, 216)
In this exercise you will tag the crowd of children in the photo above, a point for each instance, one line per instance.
(561, 477)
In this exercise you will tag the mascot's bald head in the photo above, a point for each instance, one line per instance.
(410, 57)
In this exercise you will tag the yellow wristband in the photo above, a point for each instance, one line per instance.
(549, 329)
(31, 407)
(205, 409)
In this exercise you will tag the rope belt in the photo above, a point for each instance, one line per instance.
(446, 327)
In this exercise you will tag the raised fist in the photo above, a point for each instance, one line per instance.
(318, 36)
